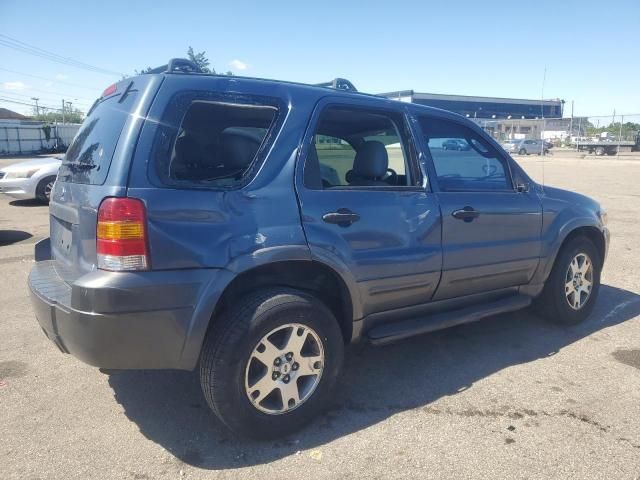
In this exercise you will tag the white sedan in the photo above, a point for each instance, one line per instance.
(30, 179)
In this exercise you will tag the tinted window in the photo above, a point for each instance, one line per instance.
(357, 148)
(89, 155)
(474, 165)
(216, 144)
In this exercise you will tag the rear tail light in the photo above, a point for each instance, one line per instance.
(122, 235)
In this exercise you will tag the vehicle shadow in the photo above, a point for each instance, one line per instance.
(27, 203)
(169, 407)
(9, 237)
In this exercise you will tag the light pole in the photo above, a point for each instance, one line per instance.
(35, 99)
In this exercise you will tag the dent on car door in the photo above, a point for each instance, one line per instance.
(364, 206)
(491, 232)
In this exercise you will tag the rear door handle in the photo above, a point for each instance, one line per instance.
(343, 217)
(466, 213)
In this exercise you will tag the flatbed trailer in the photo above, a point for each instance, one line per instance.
(609, 147)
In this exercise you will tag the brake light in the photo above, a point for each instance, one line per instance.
(110, 90)
(121, 235)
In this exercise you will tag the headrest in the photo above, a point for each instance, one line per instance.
(371, 161)
(238, 150)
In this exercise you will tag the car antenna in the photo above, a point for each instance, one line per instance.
(544, 79)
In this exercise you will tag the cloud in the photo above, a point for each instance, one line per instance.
(14, 86)
(61, 76)
(238, 64)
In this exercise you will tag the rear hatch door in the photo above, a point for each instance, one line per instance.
(96, 166)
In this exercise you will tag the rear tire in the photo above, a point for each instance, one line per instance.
(564, 299)
(255, 399)
(599, 151)
(44, 188)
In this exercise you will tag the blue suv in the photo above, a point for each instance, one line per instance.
(252, 228)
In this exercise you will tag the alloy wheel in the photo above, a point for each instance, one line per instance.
(284, 369)
(579, 281)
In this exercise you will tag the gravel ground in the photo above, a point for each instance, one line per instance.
(509, 397)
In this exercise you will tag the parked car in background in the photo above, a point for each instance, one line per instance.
(455, 144)
(31, 179)
(213, 232)
(525, 146)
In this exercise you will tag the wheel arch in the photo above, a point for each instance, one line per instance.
(592, 232)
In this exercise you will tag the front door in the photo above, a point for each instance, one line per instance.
(490, 231)
(365, 205)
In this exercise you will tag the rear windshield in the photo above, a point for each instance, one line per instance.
(89, 155)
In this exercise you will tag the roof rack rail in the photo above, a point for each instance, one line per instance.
(181, 65)
(339, 84)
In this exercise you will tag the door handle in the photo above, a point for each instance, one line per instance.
(467, 214)
(343, 217)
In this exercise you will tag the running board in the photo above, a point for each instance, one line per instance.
(392, 332)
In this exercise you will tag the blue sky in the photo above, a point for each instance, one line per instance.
(590, 49)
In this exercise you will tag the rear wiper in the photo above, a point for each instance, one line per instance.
(79, 166)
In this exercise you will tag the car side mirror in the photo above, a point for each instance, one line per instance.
(522, 187)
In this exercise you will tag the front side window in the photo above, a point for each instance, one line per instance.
(464, 161)
(215, 144)
(355, 147)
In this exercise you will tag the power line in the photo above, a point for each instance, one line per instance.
(49, 80)
(20, 46)
(46, 99)
(8, 100)
(48, 92)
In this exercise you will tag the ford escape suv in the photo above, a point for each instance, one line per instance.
(252, 228)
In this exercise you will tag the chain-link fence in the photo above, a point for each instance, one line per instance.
(600, 135)
(618, 127)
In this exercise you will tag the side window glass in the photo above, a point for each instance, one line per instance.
(215, 144)
(355, 147)
(463, 160)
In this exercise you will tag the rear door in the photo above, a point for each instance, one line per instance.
(377, 221)
(96, 166)
(490, 231)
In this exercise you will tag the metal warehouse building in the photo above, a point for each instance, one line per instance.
(484, 107)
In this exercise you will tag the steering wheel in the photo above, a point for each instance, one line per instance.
(391, 177)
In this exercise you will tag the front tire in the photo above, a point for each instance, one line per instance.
(522, 151)
(571, 290)
(269, 363)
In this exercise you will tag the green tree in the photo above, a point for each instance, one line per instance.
(72, 115)
(200, 59)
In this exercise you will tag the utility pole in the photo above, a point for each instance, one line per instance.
(36, 100)
(70, 110)
(63, 111)
(571, 122)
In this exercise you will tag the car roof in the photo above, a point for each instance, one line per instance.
(317, 90)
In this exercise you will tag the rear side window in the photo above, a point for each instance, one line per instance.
(89, 156)
(216, 144)
(464, 161)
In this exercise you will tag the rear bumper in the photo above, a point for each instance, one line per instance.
(146, 320)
